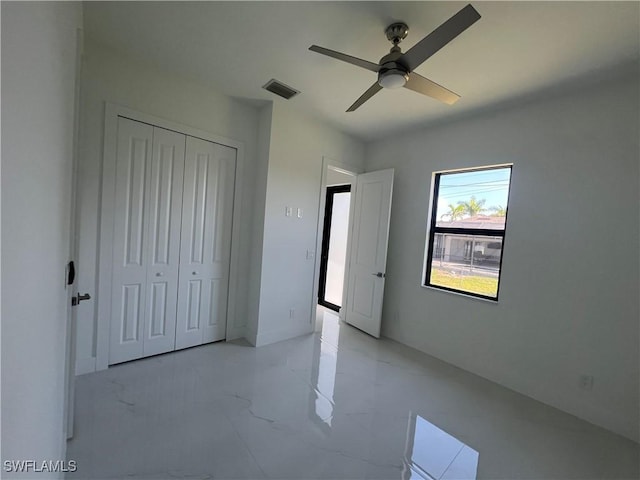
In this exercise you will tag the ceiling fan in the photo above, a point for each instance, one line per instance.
(396, 69)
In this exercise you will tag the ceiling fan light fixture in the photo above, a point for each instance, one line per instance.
(393, 79)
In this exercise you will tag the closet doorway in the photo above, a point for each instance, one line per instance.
(333, 256)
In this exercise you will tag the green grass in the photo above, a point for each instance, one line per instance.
(468, 283)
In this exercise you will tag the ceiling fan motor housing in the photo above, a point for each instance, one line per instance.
(393, 73)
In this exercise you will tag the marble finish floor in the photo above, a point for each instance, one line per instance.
(336, 404)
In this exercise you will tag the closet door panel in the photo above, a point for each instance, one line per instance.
(219, 255)
(133, 156)
(164, 208)
(205, 242)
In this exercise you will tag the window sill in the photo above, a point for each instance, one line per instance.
(460, 294)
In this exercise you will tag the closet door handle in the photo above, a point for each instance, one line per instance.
(159, 274)
(194, 273)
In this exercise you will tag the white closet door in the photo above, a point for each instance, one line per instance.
(133, 156)
(146, 242)
(163, 209)
(205, 242)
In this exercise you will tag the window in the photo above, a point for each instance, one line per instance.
(466, 231)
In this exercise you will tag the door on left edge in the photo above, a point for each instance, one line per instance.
(146, 240)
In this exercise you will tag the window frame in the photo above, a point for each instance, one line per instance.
(488, 232)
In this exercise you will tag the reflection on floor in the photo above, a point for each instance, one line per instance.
(335, 404)
(433, 453)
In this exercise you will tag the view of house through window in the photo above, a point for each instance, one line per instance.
(467, 230)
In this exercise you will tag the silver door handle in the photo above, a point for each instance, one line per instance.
(79, 298)
(379, 275)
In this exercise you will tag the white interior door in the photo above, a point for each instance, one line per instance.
(133, 156)
(368, 257)
(163, 210)
(205, 242)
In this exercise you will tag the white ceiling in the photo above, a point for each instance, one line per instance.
(516, 49)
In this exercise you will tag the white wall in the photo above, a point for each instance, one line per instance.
(257, 231)
(298, 145)
(107, 76)
(38, 78)
(569, 288)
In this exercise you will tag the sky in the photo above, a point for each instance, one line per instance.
(491, 185)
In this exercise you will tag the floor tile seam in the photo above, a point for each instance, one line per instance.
(246, 446)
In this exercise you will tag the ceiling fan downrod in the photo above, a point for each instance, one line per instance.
(393, 73)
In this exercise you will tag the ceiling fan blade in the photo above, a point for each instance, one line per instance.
(419, 84)
(373, 89)
(358, 62)
(440, 37)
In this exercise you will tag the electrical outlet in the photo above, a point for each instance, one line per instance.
(586, 382)
(288, 211)
(311, 254)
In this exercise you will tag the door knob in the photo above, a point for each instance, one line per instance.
(79, 298)
(159, 274)
(379, 274)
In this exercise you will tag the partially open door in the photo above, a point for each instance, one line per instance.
(368, 258)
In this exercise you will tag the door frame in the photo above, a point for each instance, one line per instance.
(107, 217)
(329, 163)
(71, 289)
(326, 241)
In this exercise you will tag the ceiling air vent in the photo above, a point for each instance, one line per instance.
(279, 88)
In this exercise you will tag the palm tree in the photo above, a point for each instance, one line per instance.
(498, 211)
(456, 212)
(473, 207)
